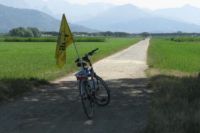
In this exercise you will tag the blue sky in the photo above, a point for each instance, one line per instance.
(151, 4)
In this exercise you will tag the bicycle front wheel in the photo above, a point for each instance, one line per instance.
(86, 98)
(102, 92)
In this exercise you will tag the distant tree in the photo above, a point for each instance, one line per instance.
(179, 33)
(28, 33)
(35, 31)
(121, 34)
(145, 34)
(50, 33)
(25, 32)
(107, 33)
(17, 32)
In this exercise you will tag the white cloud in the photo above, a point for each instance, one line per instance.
(151, 4)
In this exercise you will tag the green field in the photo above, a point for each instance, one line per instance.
(171, 55)
(27, 59)
(175, 102)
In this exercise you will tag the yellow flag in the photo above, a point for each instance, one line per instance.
(65, 38)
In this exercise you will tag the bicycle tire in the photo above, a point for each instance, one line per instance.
(102, 99)
(86, 99)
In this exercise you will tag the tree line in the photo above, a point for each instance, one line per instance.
(104, 34)
(35, 32)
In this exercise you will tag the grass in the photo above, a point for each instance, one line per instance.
(10, 88)
(24, 61)
(1, 39)
(175, 103)
(20, 39)
(50, 39)
(171, 55)
(90, 39)
(185, 39)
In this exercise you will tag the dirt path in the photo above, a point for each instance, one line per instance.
(57, 108)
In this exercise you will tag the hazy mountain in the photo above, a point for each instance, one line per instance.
(15, 3)
(186, 13)
(101, 16)
(130, 18)
(75, 12)
(14, 17)
(120, 14)
(153, 25)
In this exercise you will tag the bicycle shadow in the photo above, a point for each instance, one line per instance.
(57, 108)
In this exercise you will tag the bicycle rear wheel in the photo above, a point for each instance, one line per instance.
(86, 98)
(102, 92)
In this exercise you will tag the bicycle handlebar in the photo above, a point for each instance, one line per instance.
(93, 51)
(87, 55)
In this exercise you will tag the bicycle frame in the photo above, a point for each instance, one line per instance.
(85, 73)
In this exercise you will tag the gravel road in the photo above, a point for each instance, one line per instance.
(57, 108)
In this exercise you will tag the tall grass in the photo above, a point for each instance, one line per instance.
(10, 88)
(175, 105)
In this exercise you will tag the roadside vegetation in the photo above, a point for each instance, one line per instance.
(175, 102)
(21, 62)
(50, 39)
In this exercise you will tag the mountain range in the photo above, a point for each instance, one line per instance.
(13, 17)
(130, 18)
(102, 16)
(187, 13)
(75, 12)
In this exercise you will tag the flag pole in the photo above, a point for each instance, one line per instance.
(75, 47)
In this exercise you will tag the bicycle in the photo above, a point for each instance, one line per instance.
(93, 89)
